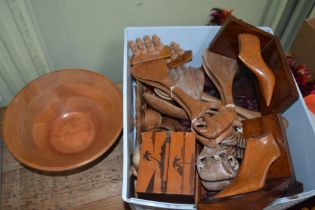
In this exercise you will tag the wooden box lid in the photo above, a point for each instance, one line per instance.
(226, 43)
(167, 166)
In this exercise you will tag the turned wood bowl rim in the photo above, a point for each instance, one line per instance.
(70, 167)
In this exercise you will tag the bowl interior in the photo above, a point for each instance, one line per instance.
(63, 120)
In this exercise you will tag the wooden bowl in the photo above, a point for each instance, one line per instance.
(63, 120)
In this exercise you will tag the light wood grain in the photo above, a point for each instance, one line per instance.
(98, 186)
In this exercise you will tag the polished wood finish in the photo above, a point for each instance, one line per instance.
(63, 120)
(257, 200)
(167, 165)
(273, 124)
(95, 187)
(262, 151)
(250, 55)
(280, 175)
(226, 43)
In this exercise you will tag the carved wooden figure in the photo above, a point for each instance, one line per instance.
(167, 164)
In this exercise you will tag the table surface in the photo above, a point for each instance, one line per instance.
(97, 186)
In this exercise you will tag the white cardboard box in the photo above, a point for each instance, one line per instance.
(300, 133)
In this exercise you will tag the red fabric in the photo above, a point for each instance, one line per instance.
(310, 102)
(302, 77)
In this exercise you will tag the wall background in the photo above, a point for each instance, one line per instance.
(80, 33)
(39, 36)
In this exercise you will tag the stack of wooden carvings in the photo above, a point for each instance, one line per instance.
(205, 145)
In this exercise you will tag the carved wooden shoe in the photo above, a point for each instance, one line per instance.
(260, 153)
(250, 55)
(223, 69)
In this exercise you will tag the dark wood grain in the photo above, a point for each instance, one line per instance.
(226, 43)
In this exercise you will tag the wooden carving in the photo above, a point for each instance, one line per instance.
(260, 153)
(250, 55)
(167, 164)
(150, 120)
(190, 80)
(164, 106)
(148, 50)
(245, 113)
(208, 127)
(178, 56)
(226, 43)
(223, 69)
